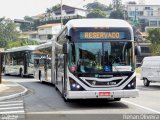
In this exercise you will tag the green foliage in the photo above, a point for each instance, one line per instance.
(96, 14)
(117, 5)
(154, 35)
(28, 25)
(97, 5)
(154, 38)
(8, 31)
(118, 14)
(20, 42)
(132, 2)
(97, 10)
(53, 8)
(155, 49)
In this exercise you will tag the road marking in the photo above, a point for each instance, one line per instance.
(149, 109)
(19, 104)
(11, 102)
(9, 107)
(12, 112)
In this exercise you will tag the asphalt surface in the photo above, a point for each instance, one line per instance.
(44, 99)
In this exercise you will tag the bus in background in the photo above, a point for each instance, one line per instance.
(95, 59)
(19, 61)
(42, 62)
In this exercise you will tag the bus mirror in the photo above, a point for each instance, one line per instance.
(138, 50)
(136, 38)
(68, 37)
(65, 48)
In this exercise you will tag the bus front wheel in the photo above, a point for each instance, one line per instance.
(117, 99)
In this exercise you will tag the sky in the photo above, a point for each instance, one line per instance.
(17, 9)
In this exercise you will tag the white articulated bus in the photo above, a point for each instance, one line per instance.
(43, 62)
(19, 61)
(95, 58)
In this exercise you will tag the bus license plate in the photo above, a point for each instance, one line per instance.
(104, 93)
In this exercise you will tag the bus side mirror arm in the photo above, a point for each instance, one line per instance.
(65, 48)
(138, 50)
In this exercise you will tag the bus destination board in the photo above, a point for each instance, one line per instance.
(102, 35)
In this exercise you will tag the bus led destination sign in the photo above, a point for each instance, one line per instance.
(102, 35)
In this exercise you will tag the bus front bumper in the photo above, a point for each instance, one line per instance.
(102, 94)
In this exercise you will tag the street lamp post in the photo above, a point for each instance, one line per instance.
(61, 15)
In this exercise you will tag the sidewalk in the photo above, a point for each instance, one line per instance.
(10, 90)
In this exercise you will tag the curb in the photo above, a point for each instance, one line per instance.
(14, 95)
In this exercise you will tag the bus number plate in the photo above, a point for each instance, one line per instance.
(104, 93)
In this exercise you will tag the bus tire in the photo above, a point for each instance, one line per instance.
(40, 76)
(5, 72)
(117, 99)
(66, 100)
(146, 82)
(56, 88)
(21, 73)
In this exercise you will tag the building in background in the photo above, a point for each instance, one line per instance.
(48, 31)
(68, 12)
(147, 16)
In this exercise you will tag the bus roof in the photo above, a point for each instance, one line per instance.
(45, 45)
(22, 48)
(97, 23)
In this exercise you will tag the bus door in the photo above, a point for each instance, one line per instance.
(60, 70)
(47, 69)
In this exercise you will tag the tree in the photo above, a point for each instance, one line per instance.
(20, 42)
(53, 8)
(8, 31)
(118, 14)
(117, 4)
(131, 2)
(97, 5)
(96, 14)
(28, 24)
(154, 38)
(118, 10)
(97, 10)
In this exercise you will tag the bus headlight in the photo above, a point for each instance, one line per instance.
(131, 85)
(75, 86)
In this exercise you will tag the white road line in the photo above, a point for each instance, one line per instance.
(11, 102)
(146, 108)
(18, 104)
(11, 108)
(11, 112)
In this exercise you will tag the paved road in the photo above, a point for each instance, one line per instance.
(44, 99)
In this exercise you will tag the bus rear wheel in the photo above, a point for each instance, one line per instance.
(21, 73)
(40, 77)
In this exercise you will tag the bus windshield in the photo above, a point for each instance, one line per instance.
(101, 56)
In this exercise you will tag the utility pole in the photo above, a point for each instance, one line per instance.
(61, 16)
(0, 67)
